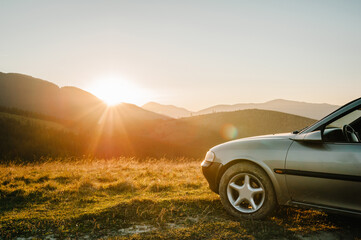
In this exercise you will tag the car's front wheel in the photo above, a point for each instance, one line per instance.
(247, 192)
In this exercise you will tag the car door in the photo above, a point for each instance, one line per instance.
(327, 173)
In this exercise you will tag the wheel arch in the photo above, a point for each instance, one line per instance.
(265, 169)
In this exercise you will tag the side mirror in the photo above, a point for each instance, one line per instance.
(315, 136)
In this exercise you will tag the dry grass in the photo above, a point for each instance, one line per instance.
(135, 198)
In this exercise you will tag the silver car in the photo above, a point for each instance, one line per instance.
(319, 166)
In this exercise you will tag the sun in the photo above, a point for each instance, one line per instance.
(114, 90)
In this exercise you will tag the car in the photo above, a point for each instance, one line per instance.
(317, 167)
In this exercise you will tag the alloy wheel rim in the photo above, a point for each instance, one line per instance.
(246, 193)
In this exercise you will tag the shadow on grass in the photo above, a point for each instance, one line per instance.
(306, 222)
(190, 219)
(18, 199)
(185, 213)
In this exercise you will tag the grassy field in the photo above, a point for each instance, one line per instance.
(129, 198)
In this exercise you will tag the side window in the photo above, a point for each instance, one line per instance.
(344, 129)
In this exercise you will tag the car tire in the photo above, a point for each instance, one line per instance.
(247, 192)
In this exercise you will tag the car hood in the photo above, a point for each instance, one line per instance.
(263, 138)
(270, 136)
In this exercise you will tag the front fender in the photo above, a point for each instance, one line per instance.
(268, 154)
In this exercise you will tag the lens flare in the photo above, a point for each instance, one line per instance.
(229, 131)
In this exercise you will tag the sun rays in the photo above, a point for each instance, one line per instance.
(107, 128)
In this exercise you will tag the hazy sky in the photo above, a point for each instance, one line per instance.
(189, 53)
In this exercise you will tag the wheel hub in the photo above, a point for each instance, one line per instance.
(246, 193)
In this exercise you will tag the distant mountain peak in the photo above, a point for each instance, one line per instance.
(279, 100)
(167, 110)
(161, 105)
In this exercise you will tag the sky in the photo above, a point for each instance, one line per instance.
(189, 53)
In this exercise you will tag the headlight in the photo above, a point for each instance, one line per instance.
(208, 159)
(209, 156)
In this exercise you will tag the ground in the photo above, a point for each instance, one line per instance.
(128, 198)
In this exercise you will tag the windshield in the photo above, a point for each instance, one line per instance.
(347, 119)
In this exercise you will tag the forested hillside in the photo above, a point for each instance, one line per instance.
(27, 136)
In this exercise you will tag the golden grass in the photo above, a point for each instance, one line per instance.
(169, 198)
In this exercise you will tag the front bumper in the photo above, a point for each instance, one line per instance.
(211, 173)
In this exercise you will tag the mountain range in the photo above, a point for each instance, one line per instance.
(37, 95)
(38, 118)
(68, 103)
(304, 109)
